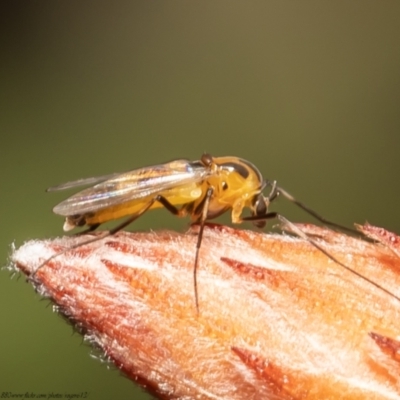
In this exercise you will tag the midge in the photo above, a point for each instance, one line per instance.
(202, 189)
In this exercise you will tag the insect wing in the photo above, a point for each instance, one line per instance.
(82, 182)
(133, 185)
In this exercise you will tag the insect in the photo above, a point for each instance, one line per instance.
(202, 189)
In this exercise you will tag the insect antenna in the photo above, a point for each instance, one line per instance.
(298, 232)
(308, 210)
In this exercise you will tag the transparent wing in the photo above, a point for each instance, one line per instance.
(82, 182)
(133, 185)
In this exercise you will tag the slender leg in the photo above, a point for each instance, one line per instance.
(269, 215)
(88, 230)
(170, 207)
(179, 212)
(203, 217)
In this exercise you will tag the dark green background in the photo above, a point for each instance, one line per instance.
(307, 90)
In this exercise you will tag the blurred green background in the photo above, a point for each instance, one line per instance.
(309, 91)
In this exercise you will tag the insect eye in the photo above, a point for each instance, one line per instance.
(224, 186)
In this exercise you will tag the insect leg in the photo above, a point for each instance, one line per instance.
(180, 212)
(170, 207)
(308, 210)
(113, 231)
(88, 230)
(96, 238)
(269, 215)
(204, 211)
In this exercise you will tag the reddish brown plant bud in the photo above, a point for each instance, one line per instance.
(277, 318)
